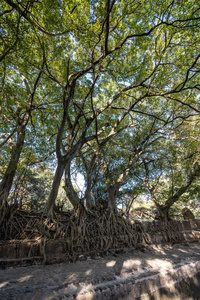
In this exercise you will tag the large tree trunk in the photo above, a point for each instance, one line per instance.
(6, 183)
(90, 169)
(69, 189)
(112, 197)
(88, 198)
(162, 212)
(55, 186)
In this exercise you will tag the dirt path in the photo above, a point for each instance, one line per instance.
(71, 280)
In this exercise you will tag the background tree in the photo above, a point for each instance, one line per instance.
(18, 118)
(173, 173)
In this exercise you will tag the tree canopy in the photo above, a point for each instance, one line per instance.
(108, 89)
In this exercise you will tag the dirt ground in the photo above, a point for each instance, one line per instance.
(65, 280)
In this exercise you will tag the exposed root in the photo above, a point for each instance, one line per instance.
(84, 232)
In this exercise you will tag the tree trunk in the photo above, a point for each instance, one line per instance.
(69, 189)
(55, 186)
(112, 197)
(89, 169)
(21, 193)
(88, 197)
(162, 211)
(8, 177)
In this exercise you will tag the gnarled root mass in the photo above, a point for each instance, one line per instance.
(81, 232)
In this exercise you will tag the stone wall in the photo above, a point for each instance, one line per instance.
(159, 232)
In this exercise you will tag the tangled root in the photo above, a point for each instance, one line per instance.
(84, 231)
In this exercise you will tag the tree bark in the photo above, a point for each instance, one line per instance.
(69, 189)
(88, 198)
(112, 197)
(89, 170)
(162, 212)
(55, 186)
(6, 183)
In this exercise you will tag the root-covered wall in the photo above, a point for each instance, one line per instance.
(33, 237)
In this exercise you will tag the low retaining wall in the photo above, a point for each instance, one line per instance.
(173, 231)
